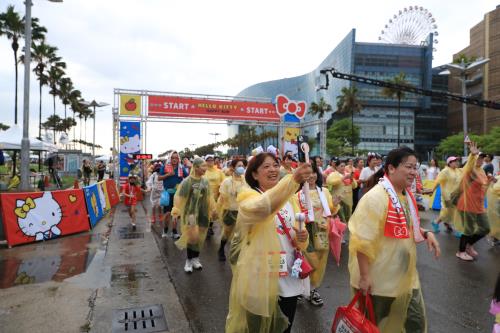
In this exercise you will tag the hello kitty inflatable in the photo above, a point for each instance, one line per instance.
(39, 217)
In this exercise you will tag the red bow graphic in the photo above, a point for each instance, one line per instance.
(284, 105)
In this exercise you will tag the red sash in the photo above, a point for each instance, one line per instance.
(395, 224)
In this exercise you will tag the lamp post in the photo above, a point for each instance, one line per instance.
(215, 136)
(25, 142)
(94, 104)
(463, 70)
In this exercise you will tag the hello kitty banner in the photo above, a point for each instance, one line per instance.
(130, 144)
(37, 216)
(95, 203)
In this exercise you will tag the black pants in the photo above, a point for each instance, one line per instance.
(288, 305)
(476, 226)
(192, 253)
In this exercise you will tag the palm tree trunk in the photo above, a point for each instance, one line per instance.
(399, 119)
(352, 132)
(74, 130)
(54, 118)
(80, 133)
(40, 114)
(15, 101)
(40, 127)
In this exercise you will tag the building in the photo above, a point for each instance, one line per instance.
(379, 116)
(485, 83)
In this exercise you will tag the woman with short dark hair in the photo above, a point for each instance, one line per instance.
(382, 250)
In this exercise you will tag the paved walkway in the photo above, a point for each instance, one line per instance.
(75, 283)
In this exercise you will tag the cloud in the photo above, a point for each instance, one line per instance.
(207, 47)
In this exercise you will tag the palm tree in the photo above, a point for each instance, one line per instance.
(12, 26)
(55, 74)
(43, 55)
(320, 108)
(77, 107)
(400, 80)
(348, 102)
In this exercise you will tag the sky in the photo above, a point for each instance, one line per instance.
(216, 47)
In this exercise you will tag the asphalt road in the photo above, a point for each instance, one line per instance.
(457, 294)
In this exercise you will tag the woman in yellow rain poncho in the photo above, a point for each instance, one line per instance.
(317, 251)
(470, 206)
(215, 177)
(493, 197)
(263, 294)
(449, 179)
(227, 204)
(382, 249)
(341, 184)
(193, 204)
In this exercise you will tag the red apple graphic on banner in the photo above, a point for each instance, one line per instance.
(131, 105)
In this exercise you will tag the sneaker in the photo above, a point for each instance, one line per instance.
(196, 263)
(464, 256)
(315, 298)
(188, 267)
(435, 227)
(164, 234)
(175, 234)
(471, 251)
(492, 241)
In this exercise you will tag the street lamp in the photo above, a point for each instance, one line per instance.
(215, 136)
(463, 70)
(25, 142)
(94, 104)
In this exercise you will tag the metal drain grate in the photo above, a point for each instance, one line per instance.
(131, 235)
(142, 319)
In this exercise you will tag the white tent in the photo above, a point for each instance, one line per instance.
(11, 139)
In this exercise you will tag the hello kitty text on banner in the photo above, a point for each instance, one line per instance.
(191, 107)
(36, 216)
(130, 144)
(95, 203)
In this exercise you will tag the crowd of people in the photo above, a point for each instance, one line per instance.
(276, 215)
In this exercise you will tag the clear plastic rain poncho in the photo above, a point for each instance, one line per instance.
(471, 194)
(253, 300)
(227, 205)
(449, 180)
(342, 189)
(215, 177)
(318, 248)
(493, 197)
(193, 204)
(393, 263)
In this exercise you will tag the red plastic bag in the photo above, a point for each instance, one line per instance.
(349, 319)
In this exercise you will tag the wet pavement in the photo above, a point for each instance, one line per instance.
(457, 294)
(78, 283)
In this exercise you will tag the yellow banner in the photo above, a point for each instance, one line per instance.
(291, 134)
(130, 105)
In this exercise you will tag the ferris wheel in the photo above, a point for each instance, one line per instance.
(410, 26)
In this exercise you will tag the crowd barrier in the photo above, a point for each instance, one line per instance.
(35, 216)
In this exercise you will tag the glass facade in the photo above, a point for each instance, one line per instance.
(379, 116)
